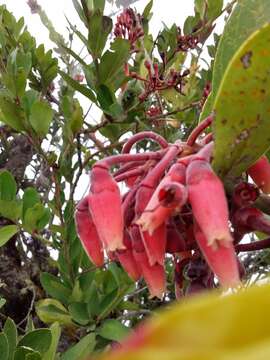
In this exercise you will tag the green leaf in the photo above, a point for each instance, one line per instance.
(29, 98)
(117, 55)
(147, 10)
(247, 17)
(81, 350)
(55, 288)
(36, 218)
(33, 356)
(39, 340)
(78, 87)
(6, 233)
(79, 312)
(40, 117)
(30, 198)
(56, 332)
(108, 303)
(214, 8)
(99, 29)
(99, 5)
(241, 126)
(73, 54)
(51, 310)
(2, 302)
(238, 324)
(11, 209)
(79, 10)
(10, 331)
(8, 186)
(113, 330)
(4, 346)
(26, 353)
(11, 114)
(200, 7)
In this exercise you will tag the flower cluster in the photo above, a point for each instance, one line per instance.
(129, 26)
(156, 82)
(175, 204)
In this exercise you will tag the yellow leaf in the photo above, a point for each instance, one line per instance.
(210, 327)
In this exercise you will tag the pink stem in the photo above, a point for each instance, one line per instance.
(142, 136)
(130, 173)
(256, 245)
(127, 167)
(153, 177)
(207, 139)
(199, 129)
(123, 158)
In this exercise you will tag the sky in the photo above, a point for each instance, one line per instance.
(168, 11)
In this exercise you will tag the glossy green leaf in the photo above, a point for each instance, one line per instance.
(78, 87)
(4, 347)
(207, 327)
(40, 117)
(6, 233)
(112, 329)
(79, 10)
(81, 350)
(99, 5)
(56, 332)
(8, 186)
(30, 198)
(26, 353)
(55, 288)
(10, 331)
(38, 340)
(147, 9)
(36, 218)
(79, 312)
(241, 126)
(247, 17)
(11, 114)
(99, 29)
(214, 8)
(51, 310)
(117, 55)
(11, 209)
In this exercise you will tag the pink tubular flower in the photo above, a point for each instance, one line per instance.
(127, 260)
(260, 174)
(88, 234)
(222, 260)
(168, 197)
(105, 207)
(154, 275)
(154, 243)
(208, 201)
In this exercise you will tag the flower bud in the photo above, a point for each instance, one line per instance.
(260, 174)
(105, 207)
(88, 234)
(209, 204)
(222, 260)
